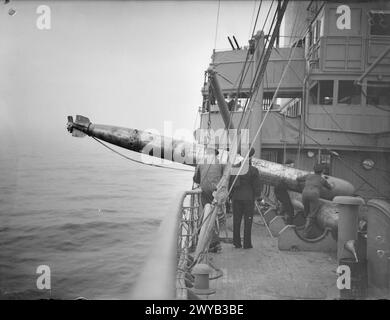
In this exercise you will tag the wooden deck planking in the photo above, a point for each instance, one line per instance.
(264, 272)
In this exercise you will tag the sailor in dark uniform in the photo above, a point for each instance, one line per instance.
(246, 189)
(311, 197)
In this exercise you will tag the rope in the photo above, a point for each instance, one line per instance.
(251, 107)
(253, 81)
(245, 72)
(253, 14)
(269, 10)
(223, 77)
(257, 17)
(196, 119)
(216, 26)
(262, 122)
(258, 67)
(264, 118)
(138, 161)
(262, 217)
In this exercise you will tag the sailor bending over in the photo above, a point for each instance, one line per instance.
(311, 197)
(207, 176)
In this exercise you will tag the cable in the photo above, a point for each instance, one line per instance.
(257, 17)
(257, 69)
(216, 26)
(292, 49)
(291, 67)
(258, 66)
(251, 107)
(254, 80)
(223, 77)
(137, 161)
(230, 118)
(253, 14)
(261, 60)
(338, 126)
(264, 118)
(243, 72)
(196, 120)
(273, 99)
(269, 10)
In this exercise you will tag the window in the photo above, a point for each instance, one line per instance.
(348, 93)
(317, 31)
(326, 92)
(378, 93)
(321, 92)
(325, 160)
(313, 94)
(310, 36)
(379, 23)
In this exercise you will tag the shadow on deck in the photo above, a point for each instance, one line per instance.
(264, 272)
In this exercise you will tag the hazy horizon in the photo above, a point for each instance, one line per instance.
(125, 63)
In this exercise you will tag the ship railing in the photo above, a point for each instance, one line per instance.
(292, 108)
(190, 223)
(166, 271)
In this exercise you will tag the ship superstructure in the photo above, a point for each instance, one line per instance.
(332, 104)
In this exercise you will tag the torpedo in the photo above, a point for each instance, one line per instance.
(191, 154)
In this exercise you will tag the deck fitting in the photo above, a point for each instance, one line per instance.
(201, 273)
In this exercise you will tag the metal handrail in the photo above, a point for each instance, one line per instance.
(157, 281)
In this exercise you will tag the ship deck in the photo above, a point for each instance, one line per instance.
(265, 272)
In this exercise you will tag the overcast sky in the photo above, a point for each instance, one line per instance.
(126, 63)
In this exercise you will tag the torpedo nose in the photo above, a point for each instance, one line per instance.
(69, 125)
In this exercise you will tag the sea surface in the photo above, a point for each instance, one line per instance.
(85, 212)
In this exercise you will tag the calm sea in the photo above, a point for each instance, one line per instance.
(85, 212)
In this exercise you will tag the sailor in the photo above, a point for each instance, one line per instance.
(283, 197)
(207, 176)
(311, 197)
(246, 189)
(231, 103)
